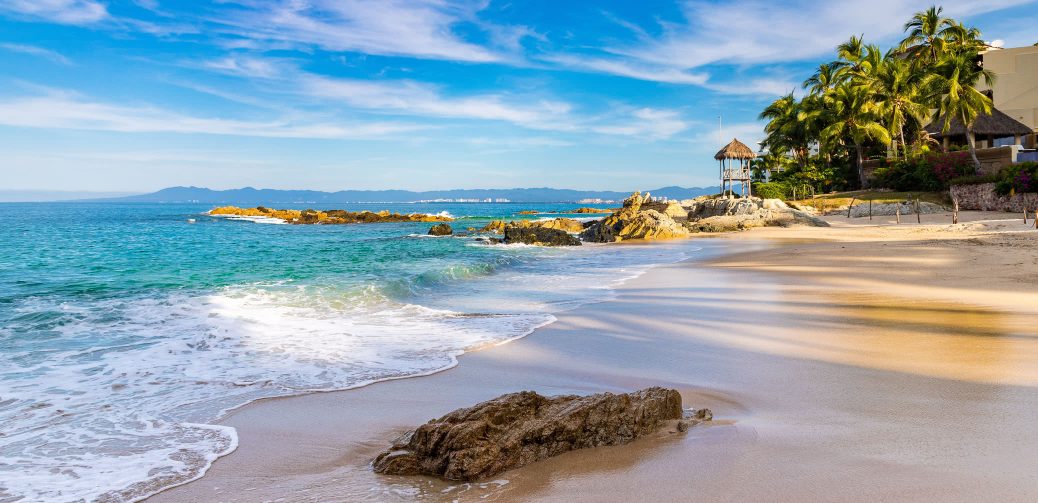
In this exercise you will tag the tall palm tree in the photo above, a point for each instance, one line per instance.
(823, 79)
(898, 90)
(926, 35)
(853, 116)
(785, 131)
(956, 95)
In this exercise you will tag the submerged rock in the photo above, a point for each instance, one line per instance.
(632, 221)
(443, 229)
(536, 235)
(520, 428)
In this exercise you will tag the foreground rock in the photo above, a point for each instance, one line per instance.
(632, 221)
(441, 230)
(328, 217)
(725, 215)
(536, 235)
(519, 428)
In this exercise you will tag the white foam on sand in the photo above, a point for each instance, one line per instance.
(130, 417)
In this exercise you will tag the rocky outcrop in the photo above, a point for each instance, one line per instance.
(443, 229)
(562, 224)
(633, 222)
(725, 215)
(310, 216)
(672, 209)
(497, 226)
(537, 235)
(520, 428)
(597, 211)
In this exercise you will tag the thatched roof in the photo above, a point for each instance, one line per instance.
(997, 124)
(735, 150)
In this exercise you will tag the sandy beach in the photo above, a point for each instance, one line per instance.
(860, 362)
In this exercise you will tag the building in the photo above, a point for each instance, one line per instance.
(1015, 90)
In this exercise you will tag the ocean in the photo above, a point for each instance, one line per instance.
(127, 331)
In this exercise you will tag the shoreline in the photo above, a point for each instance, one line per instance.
(284, 457)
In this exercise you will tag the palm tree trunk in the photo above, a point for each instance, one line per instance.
(971, 139)
(904, 146)
(861, 165)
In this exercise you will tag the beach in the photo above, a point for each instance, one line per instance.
(859, 362)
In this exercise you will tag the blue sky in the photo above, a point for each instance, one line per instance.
(137, 95)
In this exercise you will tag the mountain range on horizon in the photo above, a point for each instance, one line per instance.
(253, 196)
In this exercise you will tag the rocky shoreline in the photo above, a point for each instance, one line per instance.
(640, 218)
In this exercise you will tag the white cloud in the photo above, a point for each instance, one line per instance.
(78, 12)
(38, 52)
(754, 32)
(61, 110)
(650, 123)
(414, 98)
(416, 28)
(245, 66)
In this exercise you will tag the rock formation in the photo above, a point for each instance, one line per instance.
(724, 215)
(633, 222)
(520, 428)
(443, 229)
(497, 226)
(537, 235)
(310, 216)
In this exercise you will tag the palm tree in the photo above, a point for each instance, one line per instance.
(852, 116)
(785, 131)
(898, 91)
(956, 96)
(823, 79)
(926, 38)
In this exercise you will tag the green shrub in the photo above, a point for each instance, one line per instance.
(771, 190)
(1017, 178)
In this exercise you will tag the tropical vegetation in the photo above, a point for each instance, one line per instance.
(870, 103)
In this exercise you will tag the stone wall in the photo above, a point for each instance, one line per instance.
(983, 197)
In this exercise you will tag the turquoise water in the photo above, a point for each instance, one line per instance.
(126, 331)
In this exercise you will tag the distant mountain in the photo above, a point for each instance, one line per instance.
(252, 197)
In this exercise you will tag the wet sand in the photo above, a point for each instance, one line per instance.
(854, 363)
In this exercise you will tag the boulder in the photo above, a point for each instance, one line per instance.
(443, 229)
(520, 428)
(535, 235)
(725, 215)
(672, 209)
(632, 221)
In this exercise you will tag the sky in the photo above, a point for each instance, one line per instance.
(137, 95)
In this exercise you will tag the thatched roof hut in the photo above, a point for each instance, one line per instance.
(994, 125)
(735, 150)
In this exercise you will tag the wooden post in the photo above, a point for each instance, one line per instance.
(918, 215)
(1036, 219)
(870, 210)
(955, 210)
(794, 193)
(850, 206)
(897, 211)
(1025, 215)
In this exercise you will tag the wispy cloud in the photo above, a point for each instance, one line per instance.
(77, 12)
(415, 98)
(416, 28)
(650, 123)
(63, 110)
(765, 33)
(40, 52)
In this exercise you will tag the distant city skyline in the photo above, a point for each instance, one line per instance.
(135, 96)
